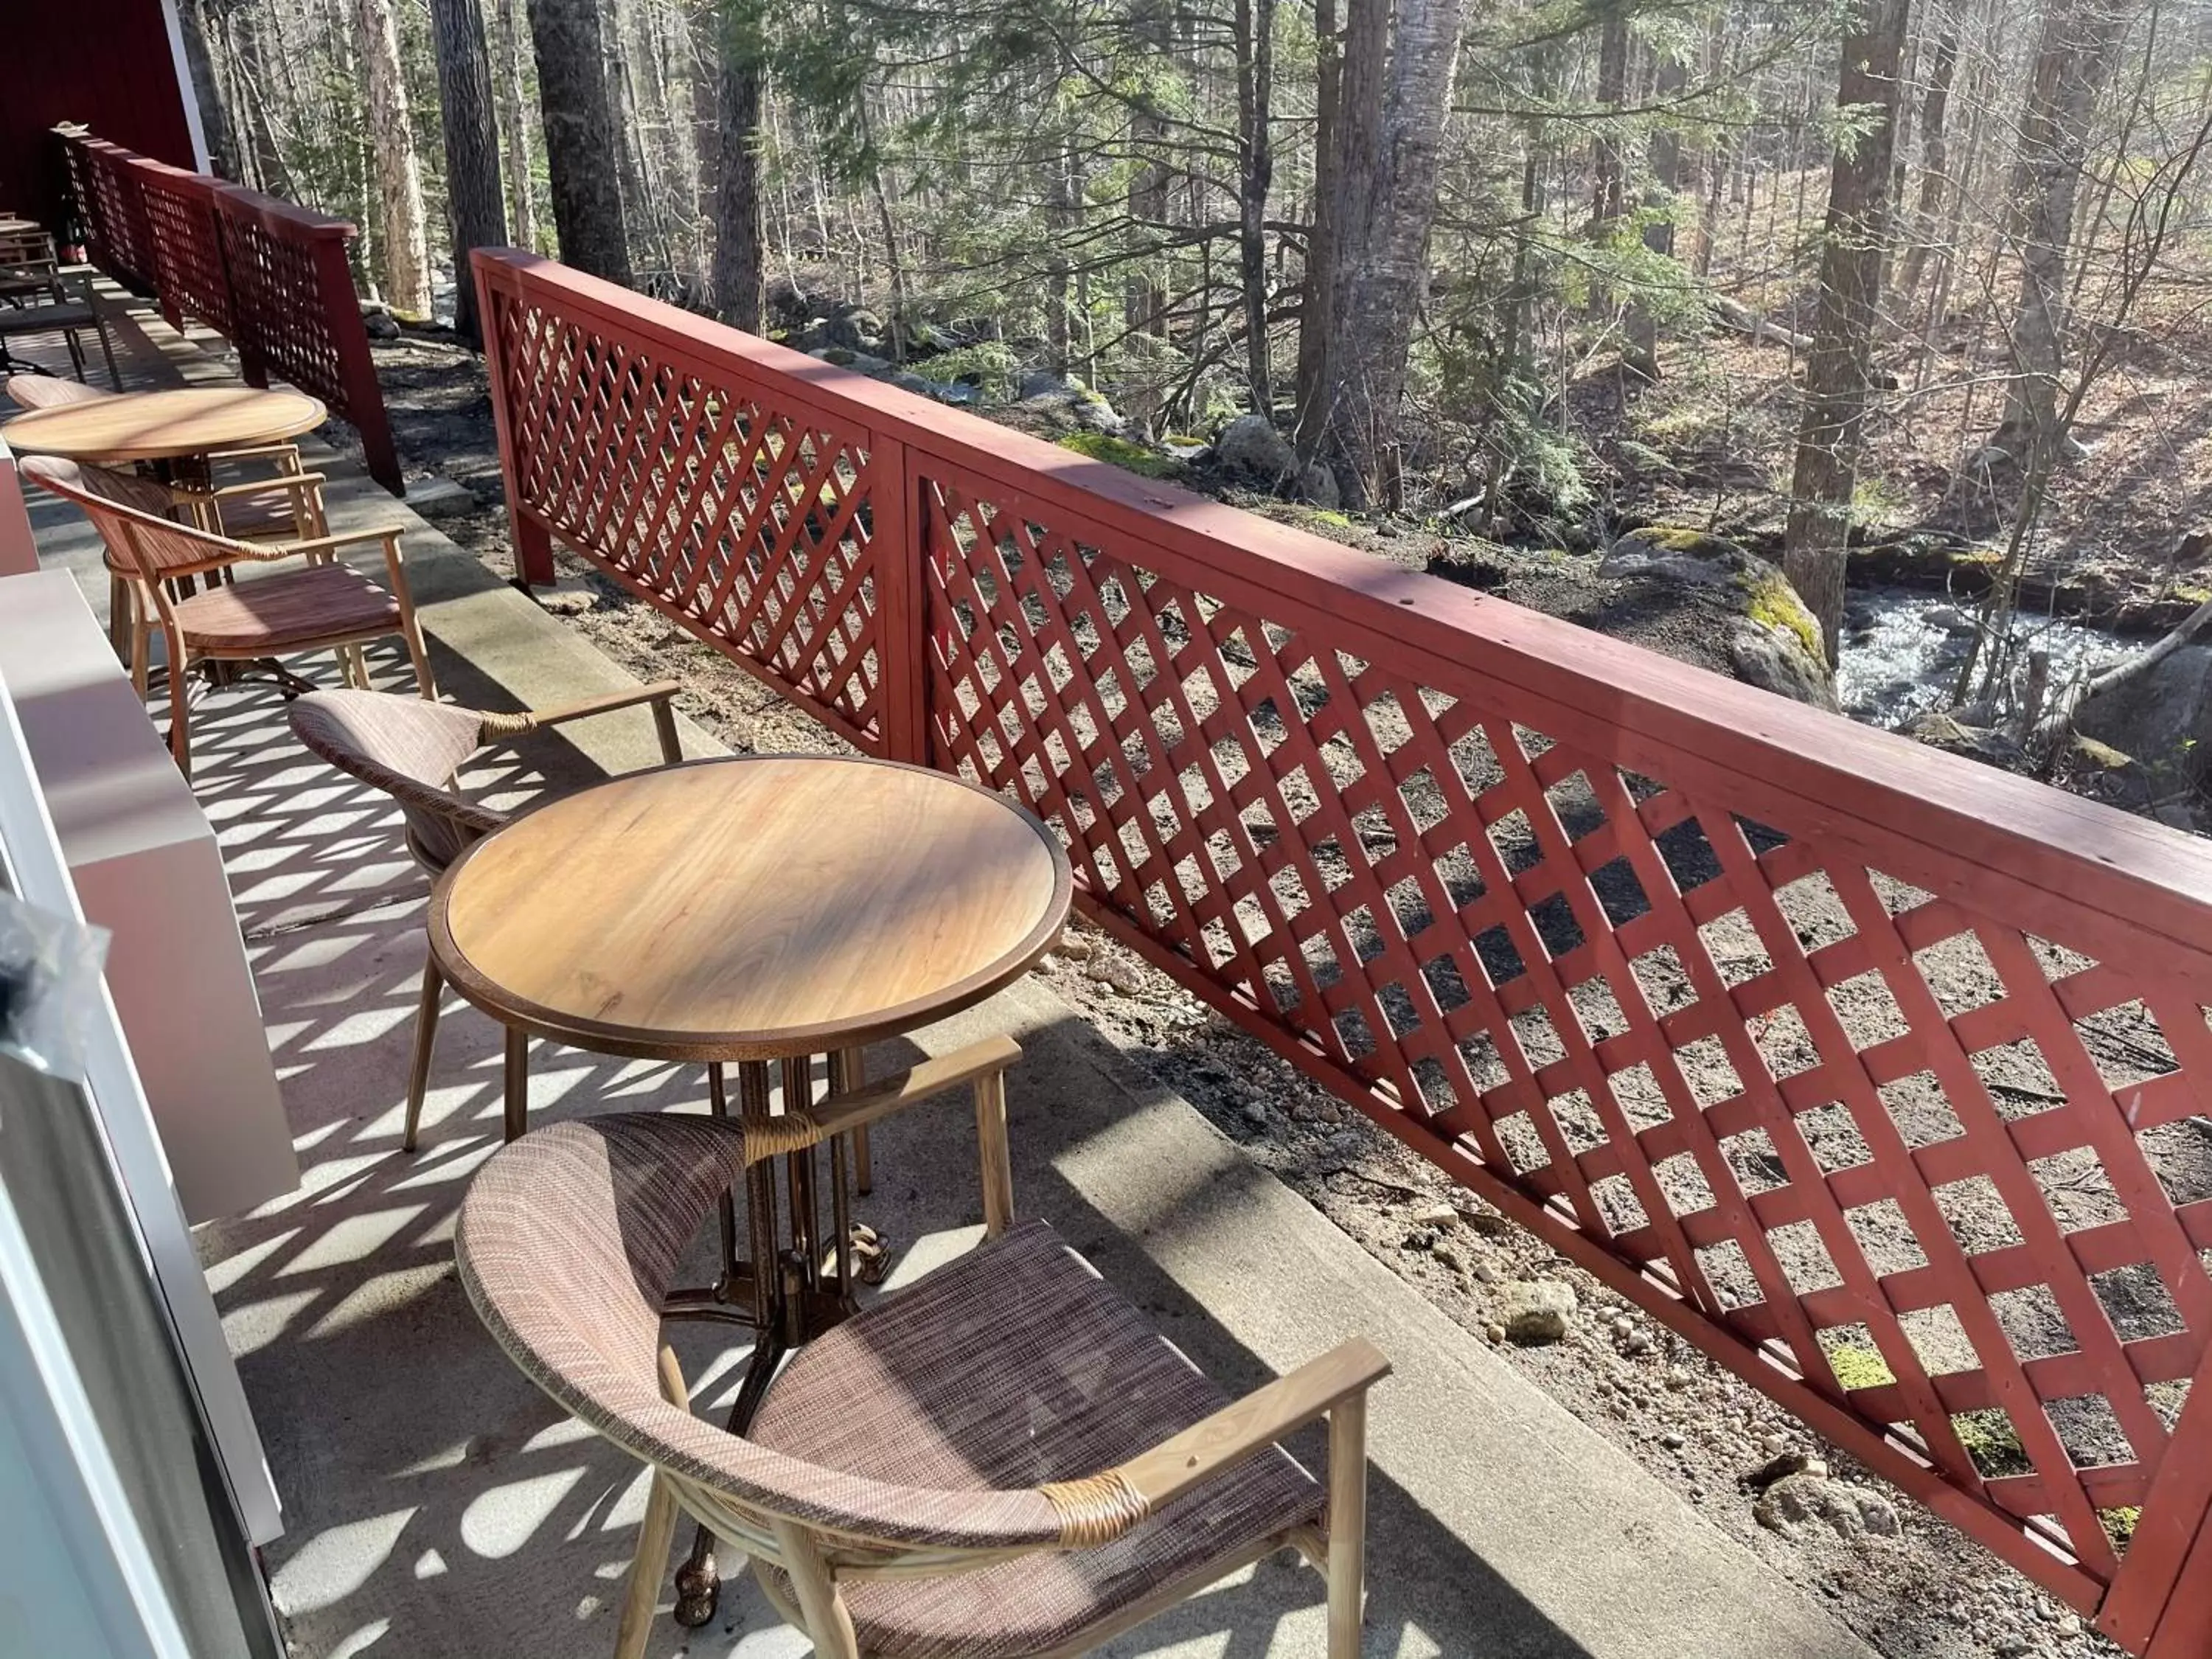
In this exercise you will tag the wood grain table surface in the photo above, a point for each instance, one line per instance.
(750, 908)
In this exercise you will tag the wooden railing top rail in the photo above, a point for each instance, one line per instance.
(2097, 877)
(285, 218)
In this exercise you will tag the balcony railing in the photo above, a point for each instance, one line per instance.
(1728, 998)
(270, 276)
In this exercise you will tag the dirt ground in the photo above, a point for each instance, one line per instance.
(1907, 1582)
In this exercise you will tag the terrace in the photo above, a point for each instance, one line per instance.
(1577, 926)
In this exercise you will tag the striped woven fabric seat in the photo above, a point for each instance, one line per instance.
(1017, 1365)
(1002, 1461)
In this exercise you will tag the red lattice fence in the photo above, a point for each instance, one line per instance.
(1871, 1071)
(271, 277)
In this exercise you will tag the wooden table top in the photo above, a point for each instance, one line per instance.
(157, 426)
(752, 908)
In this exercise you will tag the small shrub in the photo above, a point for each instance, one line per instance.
(1992, 1441)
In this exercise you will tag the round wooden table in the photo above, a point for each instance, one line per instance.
(750, 910)
(164, 426)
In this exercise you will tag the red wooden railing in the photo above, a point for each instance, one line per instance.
(1728, 998)
(270, 276)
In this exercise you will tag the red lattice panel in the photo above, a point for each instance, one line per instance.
(1937, 1166)
(187, 245)
(744, 514)
(297, 317)
(116, 225)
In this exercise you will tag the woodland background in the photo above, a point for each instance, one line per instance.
(1912, 286)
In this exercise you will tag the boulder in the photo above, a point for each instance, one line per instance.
(1956, 736)
(2161, 717)
(858, 330)
(1317, 488)
(1772, 642)
(1250, 450)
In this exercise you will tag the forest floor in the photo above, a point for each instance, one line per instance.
(1909, 1583)
(2126, 537)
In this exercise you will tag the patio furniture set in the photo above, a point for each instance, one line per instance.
(1004, 1459)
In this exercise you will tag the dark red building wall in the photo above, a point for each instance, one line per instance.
(104, 63)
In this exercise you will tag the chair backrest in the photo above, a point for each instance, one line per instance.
(125, 512)
(570, 1239)
(409, 749)
(30, 246)
(49, 391)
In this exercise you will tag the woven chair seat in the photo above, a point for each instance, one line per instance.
(1016, 1365)
(294, 610)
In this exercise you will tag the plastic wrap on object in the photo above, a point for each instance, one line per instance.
(49, 983)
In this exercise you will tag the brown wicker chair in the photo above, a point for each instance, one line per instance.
(411, 750)
(285, 505)
(1003, 1462)
(321, 605)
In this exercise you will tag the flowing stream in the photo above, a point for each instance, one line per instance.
(1902, 650)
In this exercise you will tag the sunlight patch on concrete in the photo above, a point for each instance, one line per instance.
(337, 1561)
(500, 1522)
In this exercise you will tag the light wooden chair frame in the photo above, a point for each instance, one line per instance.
(469, 821)
(1332, 1388)
(130, 535)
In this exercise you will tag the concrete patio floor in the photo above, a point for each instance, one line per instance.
(436, 1504)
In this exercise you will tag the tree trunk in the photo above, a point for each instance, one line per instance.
(1393, 100)
(207, 91)
(1319, 279)
(2074, 58)
(740, 269)
(265, 170)
(1935, 113)
(1064, 201)
(1641, 357)
(515, 116)
(399, 173)
(1256, 74)
(581, 143)
(1608, 166)
(473, 186)
(1853, 254)
(1145, 300)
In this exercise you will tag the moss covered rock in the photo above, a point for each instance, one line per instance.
(1772, 640)
(1130, 457)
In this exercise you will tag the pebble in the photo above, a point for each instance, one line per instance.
(1678, 1379)
(1434, 1215)
(1494, 1331)
(1120, 975)
(1075, 946)
(1535, 1311)
(1672, 1441)
(1444, 1252)
(1485, 1272)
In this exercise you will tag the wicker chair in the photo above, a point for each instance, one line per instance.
(1003, 1462)
(411, 750)
(285, 505)
(321, 605)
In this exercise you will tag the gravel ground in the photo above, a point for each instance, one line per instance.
(1907, 1582)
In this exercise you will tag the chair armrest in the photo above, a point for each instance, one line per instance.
(389, 533)
(1258, 1420)
(289, 451)
(659, 696)
(293, 482)
(854, 1109)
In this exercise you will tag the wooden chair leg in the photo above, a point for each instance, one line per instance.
(998, 1169)
(864, 1161)
(518, 1082)
(180, 725)
(1347, 1524)
(641, 1592)
(121, 620)
(355, 666)
(826, 1619)
(411, 632)
(425, 1037)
